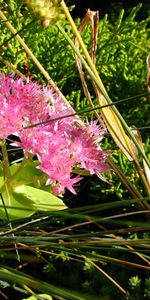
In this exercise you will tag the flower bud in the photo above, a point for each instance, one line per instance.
(49, 12)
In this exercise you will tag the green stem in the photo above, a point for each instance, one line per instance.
(31, 55)
(7, 175)
(95, 76)
(101, 89)
(12, 67)
(5, 161)
(91, 65)
(86, 53)
(26, 48)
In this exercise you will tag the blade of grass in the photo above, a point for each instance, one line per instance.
(31, 55)
(119, 287)
(117, 116)
(107, 115)
(11, 275)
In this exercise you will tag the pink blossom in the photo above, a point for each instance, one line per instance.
(59, 145)
(21, 104)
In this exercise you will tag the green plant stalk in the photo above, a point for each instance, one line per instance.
(103, 90)
(12, 275)
(98, 84)
(93, 72)
(120, 288)
(14, 31)
(12, 67)
(31, 55)
(116, 111)
(18, 32)
(81, 112)
(87, 56)
(5, 161)
(7, 175)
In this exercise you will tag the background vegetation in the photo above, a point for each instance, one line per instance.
(84, 252)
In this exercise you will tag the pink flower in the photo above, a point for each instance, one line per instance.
(21, 104)
(59, 145)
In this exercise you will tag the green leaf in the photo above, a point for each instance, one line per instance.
(15, 209)
(37, 199)
(24, 201)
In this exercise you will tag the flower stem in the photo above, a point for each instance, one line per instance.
(6, 175)
(5, 161)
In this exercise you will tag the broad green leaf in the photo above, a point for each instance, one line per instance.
(23, 201)
(15, 209)
(39, 199)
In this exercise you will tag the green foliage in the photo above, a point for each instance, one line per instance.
(23, 200)
(147, 288)
(135, 287)
(62, 243)
(121, 58)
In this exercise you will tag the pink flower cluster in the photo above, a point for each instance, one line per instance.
(59, 145)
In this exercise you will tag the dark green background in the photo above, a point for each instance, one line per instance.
(108, 6)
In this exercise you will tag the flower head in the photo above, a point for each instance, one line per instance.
(60, 144)
(21, 104)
